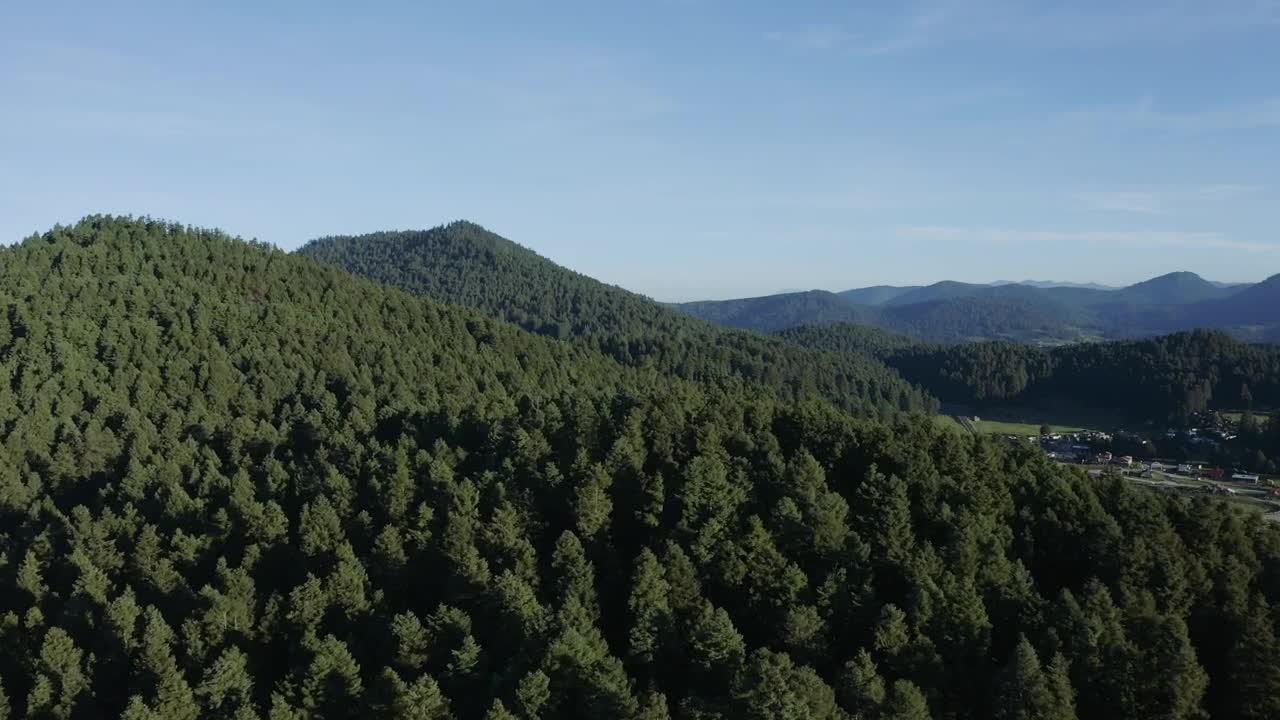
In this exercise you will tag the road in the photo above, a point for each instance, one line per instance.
(1247, 495)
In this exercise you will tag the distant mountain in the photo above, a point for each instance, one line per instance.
(775, 312)
(1250, 310)
(906, 294)
(1178, 288)
(1054, 284)
(1013, 316)
(876, 295)
(945, 290)
(1041, 312)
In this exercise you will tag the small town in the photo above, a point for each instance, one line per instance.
(1254, 490)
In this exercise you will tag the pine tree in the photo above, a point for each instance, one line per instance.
(532, 694)
(170, 694)
(499, 712)
(773, 688)
(1172, 683)
(574, 574)
(61, 685)
(716, 646)
(653, 707)
(226, 692)
(905, 702)
(418, 700)
(1024, 692)
(1064, 696)
(861, 689)
(332, 687)
(650, 611)
(1253, 673)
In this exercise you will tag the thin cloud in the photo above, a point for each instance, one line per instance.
(1122, 201)
(1162, 200)
(922, 26)
(1227, 191)
(816, 37)
(1138, 238)
(939, 22)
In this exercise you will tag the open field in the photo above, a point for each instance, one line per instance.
(1235, 415)
(1063, 415)
(1018, 428)
(946, 422)
(1254, 504)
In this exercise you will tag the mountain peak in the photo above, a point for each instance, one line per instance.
(1177, 275)
(1175, 288)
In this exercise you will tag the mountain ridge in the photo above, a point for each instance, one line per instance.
(463, 263)
(951, 310)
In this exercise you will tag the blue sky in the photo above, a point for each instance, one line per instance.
(680, 148)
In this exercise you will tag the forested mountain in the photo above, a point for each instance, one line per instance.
(876, 295)
(1252, 310)
(1051, 313)
(1055, 283)
(1180, 288)
(1163, 379)
(945, 290)
(236, 483)
(775, 312)
(883, 294)
(464, 264)
(1016, 314)
(1012, 312)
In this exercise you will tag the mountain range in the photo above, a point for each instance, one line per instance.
(831, 349)
(1035, 312)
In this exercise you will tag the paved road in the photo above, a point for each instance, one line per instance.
(1190, 482)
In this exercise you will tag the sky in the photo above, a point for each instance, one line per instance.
(684, 149)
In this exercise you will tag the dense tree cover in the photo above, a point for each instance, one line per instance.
(952, 311)
(464, 264)
(876, 294)
(1261, 434)
(776, 312)
(1005, 316)
(1166, 378)
(236, 483)
(1014, 313)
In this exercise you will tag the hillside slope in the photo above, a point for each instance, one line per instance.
(1179, 288)
(1257, 305)
(774, 312)
(1013, 312)
(463, 263)
(1162, 379)
(875, 295)
(236, 483)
